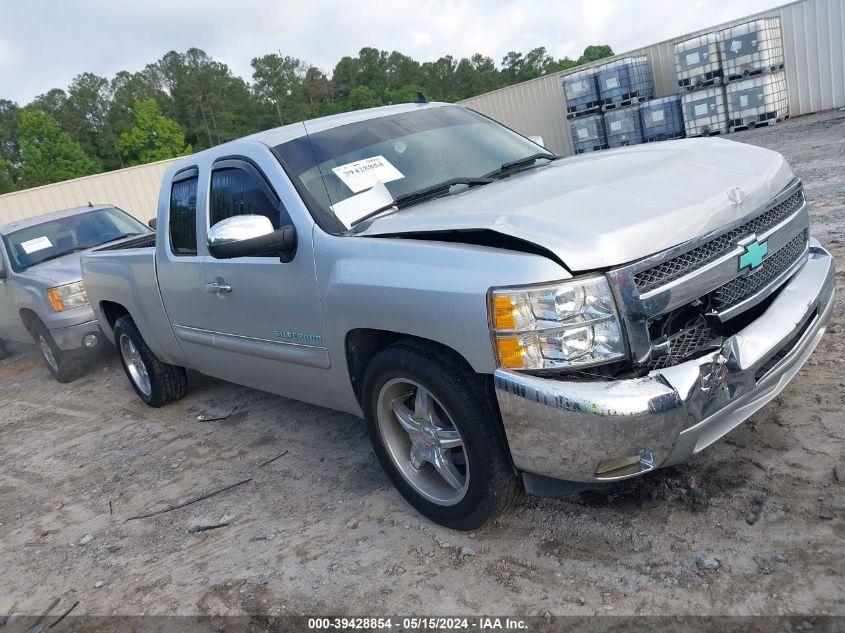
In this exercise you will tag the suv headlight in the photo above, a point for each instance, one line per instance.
(68, 297)
(564, 325)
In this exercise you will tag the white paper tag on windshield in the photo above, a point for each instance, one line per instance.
(611, 82)
(356, 207)
(363, 174)
(37, 244)
(615, 126)
(657, 115)
(701, 109)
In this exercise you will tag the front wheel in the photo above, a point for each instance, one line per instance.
(64, 366)
(436, 436)
(155, 382)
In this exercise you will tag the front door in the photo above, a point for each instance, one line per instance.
(267, 316)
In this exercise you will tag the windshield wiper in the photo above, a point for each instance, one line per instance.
(57, 255)
(521, 162)
(117, 237)
(422, 194)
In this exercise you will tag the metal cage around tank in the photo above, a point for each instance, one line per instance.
(757, 101)
(697, 62)
(582, 93)
(663, 119)
(751, 48)
(625, 81)
(705, 112)
(588, 133)
(623, 126)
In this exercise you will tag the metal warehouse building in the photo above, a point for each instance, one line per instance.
(814, 57)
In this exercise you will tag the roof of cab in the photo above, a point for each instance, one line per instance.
(51, 215)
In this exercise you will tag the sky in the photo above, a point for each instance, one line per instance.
(45, 44)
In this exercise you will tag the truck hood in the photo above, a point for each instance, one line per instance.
(609, 208)
(59, 271)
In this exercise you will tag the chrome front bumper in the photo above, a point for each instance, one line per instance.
(594, 431)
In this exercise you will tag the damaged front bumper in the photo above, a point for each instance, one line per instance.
(596, 431)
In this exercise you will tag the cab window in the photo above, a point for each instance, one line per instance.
(239, 191)
(183, 214)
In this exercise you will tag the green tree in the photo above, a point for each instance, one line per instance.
(278, 82)
(10, 153)
(593, 53)
(47, 153)
(6, 182)
(362, 97)
(153, 137)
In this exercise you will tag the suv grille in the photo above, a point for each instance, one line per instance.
(681, 265)
(740, 288)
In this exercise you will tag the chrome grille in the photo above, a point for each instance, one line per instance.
(681, 265)
(683, 345)
(742, 287)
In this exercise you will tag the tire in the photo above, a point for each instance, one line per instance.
(64, 366)
(472, 483)
(155, 382)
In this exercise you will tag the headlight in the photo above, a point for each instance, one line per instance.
(68, 297)
(569, 324)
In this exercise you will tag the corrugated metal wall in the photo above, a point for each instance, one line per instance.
(814, 52)
(135, 190)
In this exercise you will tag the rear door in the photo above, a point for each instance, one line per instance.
(179, 270)
(269, 325)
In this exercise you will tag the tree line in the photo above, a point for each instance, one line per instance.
(187, 102)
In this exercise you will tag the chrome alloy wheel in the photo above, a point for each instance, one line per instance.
(423, 442)
(47, 352)
(135, 365)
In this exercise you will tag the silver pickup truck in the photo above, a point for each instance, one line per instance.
(502, 318)
(42, 296)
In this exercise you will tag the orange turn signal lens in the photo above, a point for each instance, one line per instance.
(503, 313)
(55, 300)
(511, 352)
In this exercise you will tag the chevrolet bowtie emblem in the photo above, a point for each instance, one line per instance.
(755, 253)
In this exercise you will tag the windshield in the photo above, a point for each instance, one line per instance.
(55, 238)
(348, 171)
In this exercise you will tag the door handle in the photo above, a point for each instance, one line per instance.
(218, 286)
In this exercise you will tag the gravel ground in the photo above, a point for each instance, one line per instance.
(320, 529)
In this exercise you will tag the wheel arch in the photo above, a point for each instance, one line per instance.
(112, 311)
(362, 345)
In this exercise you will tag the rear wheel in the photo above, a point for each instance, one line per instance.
(156, 383)
(436, 436)
(64, 366)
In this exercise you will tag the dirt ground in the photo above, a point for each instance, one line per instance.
(320, 529)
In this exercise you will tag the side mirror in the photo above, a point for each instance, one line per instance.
(250, 236)
(152, 223)
(538, 140)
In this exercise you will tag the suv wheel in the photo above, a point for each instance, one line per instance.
(64, 366)
(155, 382)
(436, 435)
